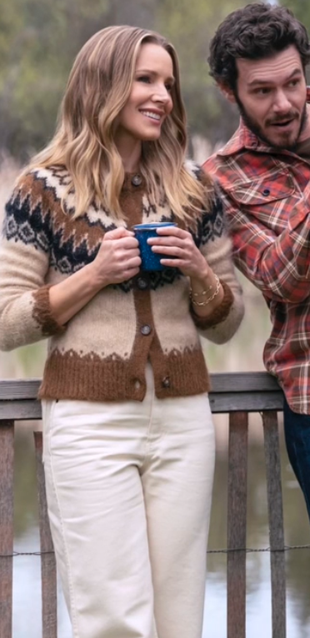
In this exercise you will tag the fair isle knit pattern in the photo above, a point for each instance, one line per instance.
(101, 353)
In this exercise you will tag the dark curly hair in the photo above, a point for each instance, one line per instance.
(256, 31)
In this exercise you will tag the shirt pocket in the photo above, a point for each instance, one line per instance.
(265, 191)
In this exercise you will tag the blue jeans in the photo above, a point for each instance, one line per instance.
(297, 437)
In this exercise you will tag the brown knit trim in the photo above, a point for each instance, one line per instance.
(89, 378)
(186, 372)
(131, 205)
(176, 373)
(219, 313)
(42, 313)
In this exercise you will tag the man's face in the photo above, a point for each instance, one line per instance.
(271, 95)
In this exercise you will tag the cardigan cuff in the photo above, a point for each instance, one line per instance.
(219, 313)
(42, 313)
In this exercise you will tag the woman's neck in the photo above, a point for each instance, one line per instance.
(130, 154)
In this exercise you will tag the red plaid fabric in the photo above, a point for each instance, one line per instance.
(267, 200)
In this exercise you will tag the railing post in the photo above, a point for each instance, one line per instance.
(6, 526)
(236, 532)
(276, 531)
(48, 564)
(233, 393)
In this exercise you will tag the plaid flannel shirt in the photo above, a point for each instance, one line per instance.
(267, 201)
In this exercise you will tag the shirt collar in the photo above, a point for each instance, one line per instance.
(243, 138)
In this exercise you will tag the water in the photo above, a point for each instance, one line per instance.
(27, 594)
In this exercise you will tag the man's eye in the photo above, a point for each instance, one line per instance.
(262, 91)
(294, 83)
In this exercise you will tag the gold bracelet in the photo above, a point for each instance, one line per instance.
(201, 293)
(209, 299)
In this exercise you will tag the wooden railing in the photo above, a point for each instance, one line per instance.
(235, 394)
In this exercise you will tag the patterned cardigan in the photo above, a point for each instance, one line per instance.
(101, 353)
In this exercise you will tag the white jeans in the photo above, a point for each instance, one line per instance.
(129, 489)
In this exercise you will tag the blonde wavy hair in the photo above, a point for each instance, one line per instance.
(98, 88)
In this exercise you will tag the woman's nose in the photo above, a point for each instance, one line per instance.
(161, 94)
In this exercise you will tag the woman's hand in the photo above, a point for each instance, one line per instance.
(118, 258)
(206, 290)
(179, 244)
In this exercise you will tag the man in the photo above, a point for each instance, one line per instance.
(258, 58)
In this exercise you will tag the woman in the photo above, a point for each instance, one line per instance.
(128, 434)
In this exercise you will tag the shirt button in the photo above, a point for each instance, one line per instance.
(266, 192)
(166, 382)
(142, 283)
(136, 180)
(145, 330)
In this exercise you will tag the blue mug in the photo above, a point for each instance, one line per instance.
(149, 259)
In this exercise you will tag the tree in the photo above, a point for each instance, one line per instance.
(300, 9)
(190, 26)
(39, 40)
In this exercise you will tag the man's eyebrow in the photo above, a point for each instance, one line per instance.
(294, 73)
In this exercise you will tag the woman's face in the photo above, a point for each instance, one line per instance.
(150, 99)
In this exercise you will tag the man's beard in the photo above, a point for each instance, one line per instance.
(256, 129)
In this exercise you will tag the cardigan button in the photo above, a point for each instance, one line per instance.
(166, 382)
(136, 180)
(142, 283)
(145, 330)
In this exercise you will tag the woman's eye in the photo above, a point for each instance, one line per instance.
(169, 87)
(144, 78)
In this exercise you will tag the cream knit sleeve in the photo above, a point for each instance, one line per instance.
(25, 315)
(216, 247)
